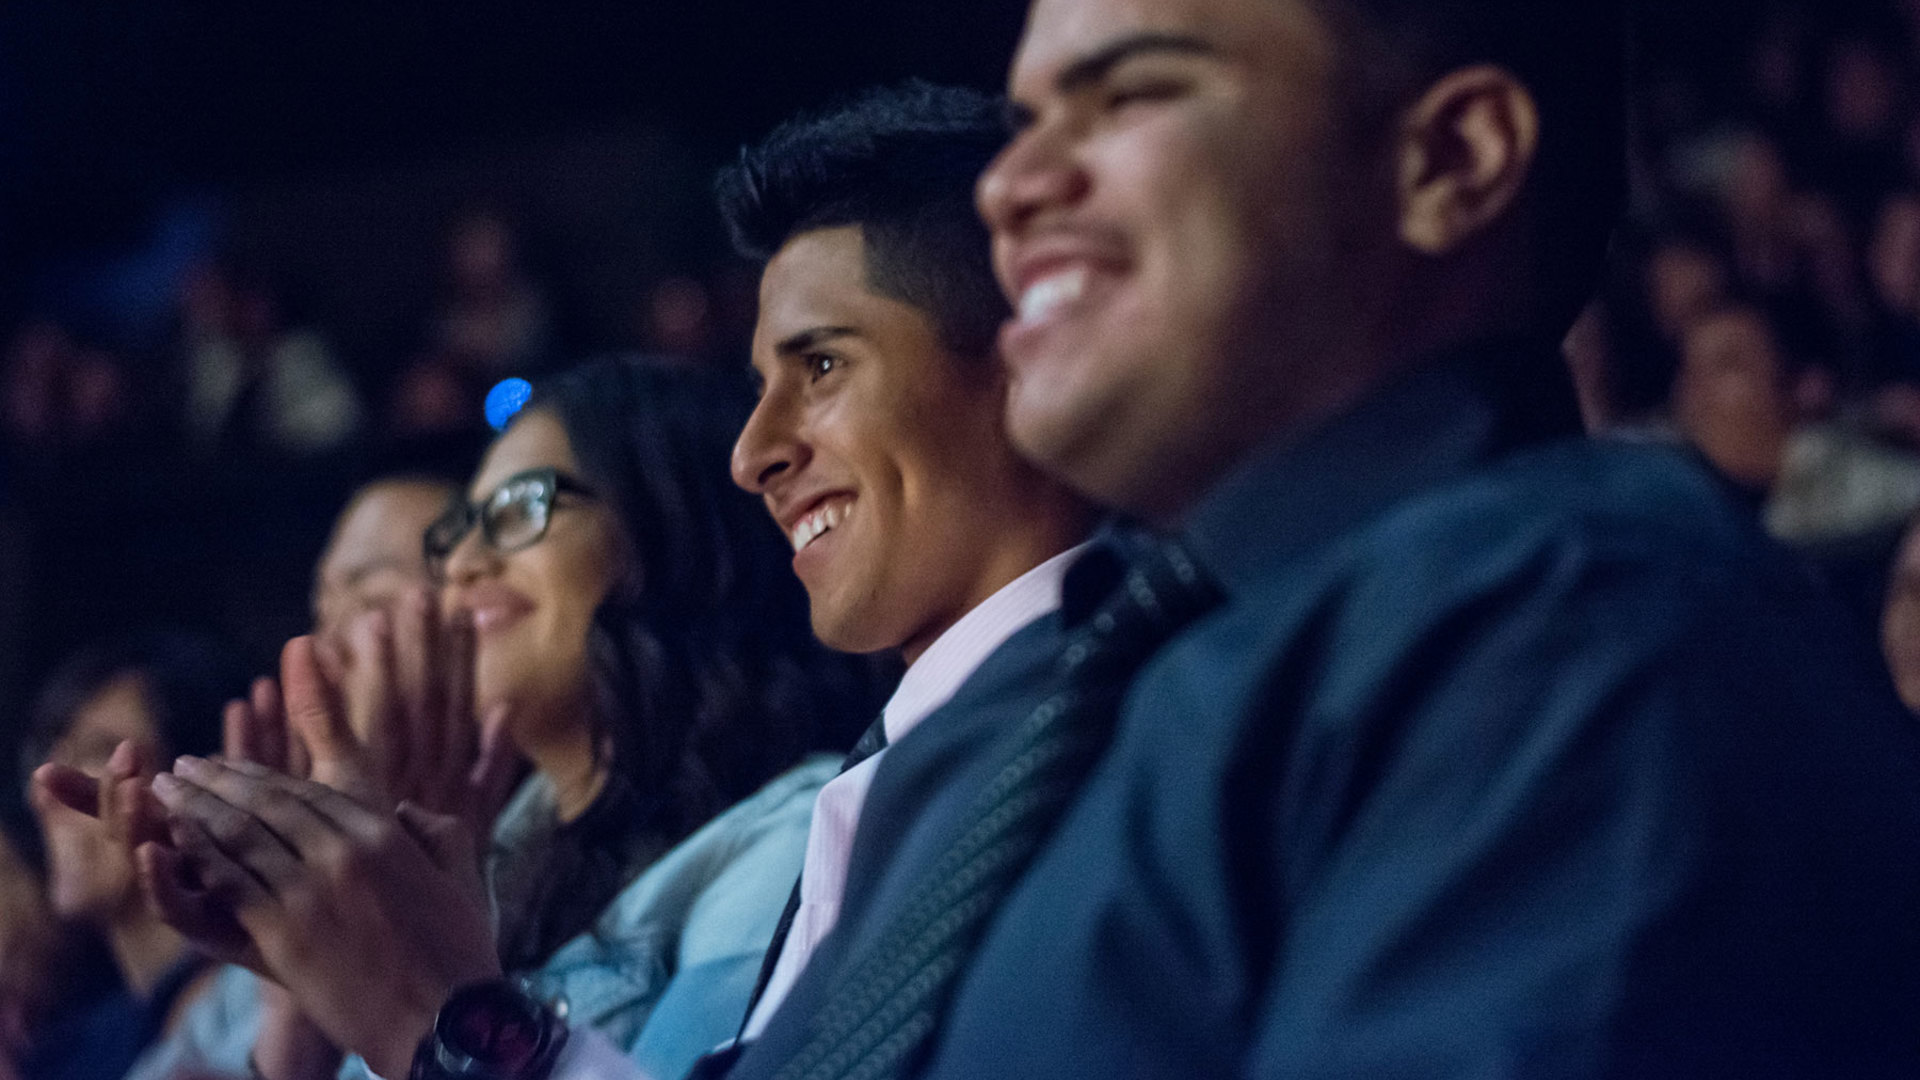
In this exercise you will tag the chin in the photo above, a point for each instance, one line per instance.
(1057, 437)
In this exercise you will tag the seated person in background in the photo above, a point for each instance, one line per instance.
(47, 973)
(141, 700)
(877, 446)
(640, 638)
(374, 559)
(1900, 619)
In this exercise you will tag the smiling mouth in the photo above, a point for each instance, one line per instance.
(1050, 294)
(822, 520)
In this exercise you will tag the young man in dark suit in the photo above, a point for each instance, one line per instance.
(879, 448)
(1425, 739)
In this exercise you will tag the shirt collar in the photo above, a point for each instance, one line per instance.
(1428, 426)
(954, 655)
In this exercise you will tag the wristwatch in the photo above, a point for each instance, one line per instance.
(491, 1030)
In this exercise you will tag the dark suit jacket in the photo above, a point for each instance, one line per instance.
(1509, 754)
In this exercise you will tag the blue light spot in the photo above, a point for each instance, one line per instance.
(505, 400)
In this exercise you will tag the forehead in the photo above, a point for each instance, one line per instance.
(117, 710)
(535, 440)
(384, 521)
(819, 281)
(1060, 33)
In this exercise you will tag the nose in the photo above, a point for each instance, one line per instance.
(768, 447)
(471, 559)
(1034, 173)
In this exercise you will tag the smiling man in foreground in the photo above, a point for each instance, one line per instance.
(1445, 743)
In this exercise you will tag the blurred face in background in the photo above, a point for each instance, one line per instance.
(1684, 281)
(89, 877)
(1732, 399)
(1894, 260)
(533, 607)
(1196, 233)
(1900, 621)
(374, 558)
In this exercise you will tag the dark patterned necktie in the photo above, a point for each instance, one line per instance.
(882, 1010)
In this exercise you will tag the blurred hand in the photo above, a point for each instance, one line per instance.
(370, 920)
(384, 710)
(122, 799)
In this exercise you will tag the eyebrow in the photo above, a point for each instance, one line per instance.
(812, 339)
(1095, 66)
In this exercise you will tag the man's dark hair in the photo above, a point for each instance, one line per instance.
(899, 162)
(1572, 56)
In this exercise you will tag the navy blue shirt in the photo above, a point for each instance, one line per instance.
(1509, 754)
(102, 1039)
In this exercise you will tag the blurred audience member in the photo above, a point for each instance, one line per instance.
(375, 557)
(59, 394)
(1894, 269)
(1731, 398)
(1865, 108)
(680, 318)
(1900, 621)
(1685, 279)
(252, 383)
(42, 964)
(125, 706)
(492, 321)
(494, 317)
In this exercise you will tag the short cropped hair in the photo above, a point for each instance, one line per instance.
(1572, 56)
(899, 162)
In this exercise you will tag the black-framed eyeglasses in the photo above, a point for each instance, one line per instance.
(514, 517)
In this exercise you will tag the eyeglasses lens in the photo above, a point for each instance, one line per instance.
(517, 514)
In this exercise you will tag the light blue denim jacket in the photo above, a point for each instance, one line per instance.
(214, 1034)
(665, 973)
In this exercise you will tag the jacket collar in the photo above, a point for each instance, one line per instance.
(1430, 425)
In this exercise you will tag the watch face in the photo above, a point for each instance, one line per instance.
(493, 1025)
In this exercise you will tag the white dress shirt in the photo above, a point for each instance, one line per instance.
(928, 684)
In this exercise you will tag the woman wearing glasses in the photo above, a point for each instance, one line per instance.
(639, 636)
(638, 632)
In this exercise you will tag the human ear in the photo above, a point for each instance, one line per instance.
(1466, 149)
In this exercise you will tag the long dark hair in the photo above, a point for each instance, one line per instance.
(708, 680)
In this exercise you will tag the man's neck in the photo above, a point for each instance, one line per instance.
(1003, 566)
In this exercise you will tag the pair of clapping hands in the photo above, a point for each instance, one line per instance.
(344, 869)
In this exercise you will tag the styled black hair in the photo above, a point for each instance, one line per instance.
(900, 162)
(708, 680)
(1573, 56)
(188, 678)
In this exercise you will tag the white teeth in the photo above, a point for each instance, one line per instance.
(1050, 293)
(816, 524)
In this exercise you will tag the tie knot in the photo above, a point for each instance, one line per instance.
(1159, 590)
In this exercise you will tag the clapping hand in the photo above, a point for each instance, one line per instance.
(368, 917)
(396, 720)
